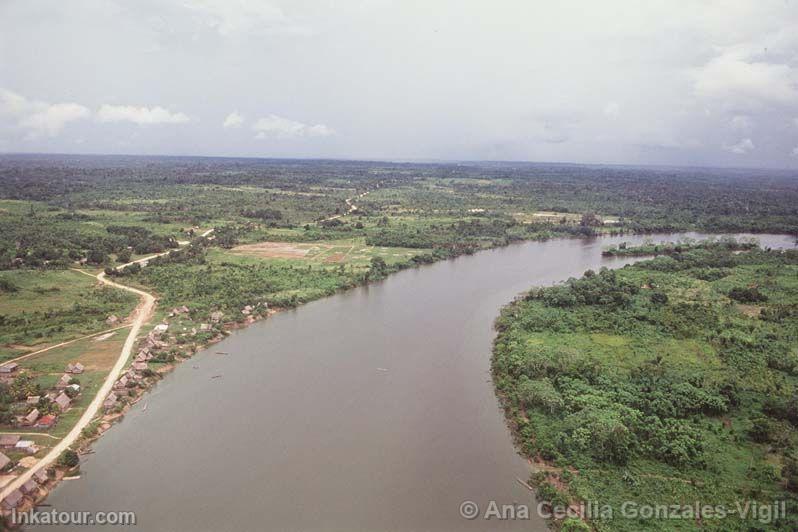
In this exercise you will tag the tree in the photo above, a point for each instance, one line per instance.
(123, 256)
(378, 267)
(96, 256)
(69, 458)
(589, 219)
(659, 298)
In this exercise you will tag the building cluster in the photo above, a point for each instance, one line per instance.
(151, 344)
(41, 411)
(12, 443)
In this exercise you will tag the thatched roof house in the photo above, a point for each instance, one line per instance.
(12, 500)
(63, 401)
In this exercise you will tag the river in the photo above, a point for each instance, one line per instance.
(372, 410)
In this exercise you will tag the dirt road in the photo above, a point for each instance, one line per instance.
(142, 314)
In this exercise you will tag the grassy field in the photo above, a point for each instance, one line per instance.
(345, 251)
(49, 306)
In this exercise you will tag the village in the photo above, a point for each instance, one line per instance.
(176, 338)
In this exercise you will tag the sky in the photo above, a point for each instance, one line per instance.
(705, 83)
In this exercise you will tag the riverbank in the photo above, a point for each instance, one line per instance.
(328, 414)
(176, 326)
(166, 338)
(655, 384)
(13, 493)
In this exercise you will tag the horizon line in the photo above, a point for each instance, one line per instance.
(405, 160)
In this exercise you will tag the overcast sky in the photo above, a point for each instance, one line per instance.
(638, 81)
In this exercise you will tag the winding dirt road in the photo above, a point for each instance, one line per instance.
(142, 314)
(351, 207)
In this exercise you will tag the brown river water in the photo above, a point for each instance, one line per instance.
(371, 410)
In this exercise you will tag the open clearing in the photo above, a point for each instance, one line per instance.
(349, 251)
(43, 290)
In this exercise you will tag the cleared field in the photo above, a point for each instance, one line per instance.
(42, 290)
(547, 216)
(45, 307)
(349, 251)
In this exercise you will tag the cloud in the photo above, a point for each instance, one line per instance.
(39, 118)
(740, 148)
(230, 17)
(12, 103)
(234, 119)
(741, 81)
(139, 115)
(278, 127)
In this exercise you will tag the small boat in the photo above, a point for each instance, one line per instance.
(145, 407)
(216, 376)
(222, 353)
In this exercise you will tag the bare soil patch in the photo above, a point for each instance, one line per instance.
(334, 257)
(273, 250)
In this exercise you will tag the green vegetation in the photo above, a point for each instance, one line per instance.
(53, 305)
(69, 458)
(671, 381)
(210, 279)
(646, 382)
(682, 246)
(55, 211)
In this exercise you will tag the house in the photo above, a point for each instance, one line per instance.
(31, 418)
(8, 441)
(75, 387)
(26, 446)
(63, 401)
(29, 488)
(217, 316)
(46, 422)
(139, 366)
(12, 500)
(33, 399)
(64, 381)
(110, 401)
(11, 367)
(112, 320)
(141, 357)
(161, 328)
(41, 476)
(153, 343)
(76, 368)
(205, 327)
(121, 383)
(4, 461)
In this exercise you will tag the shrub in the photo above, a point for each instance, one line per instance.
(747, 295)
